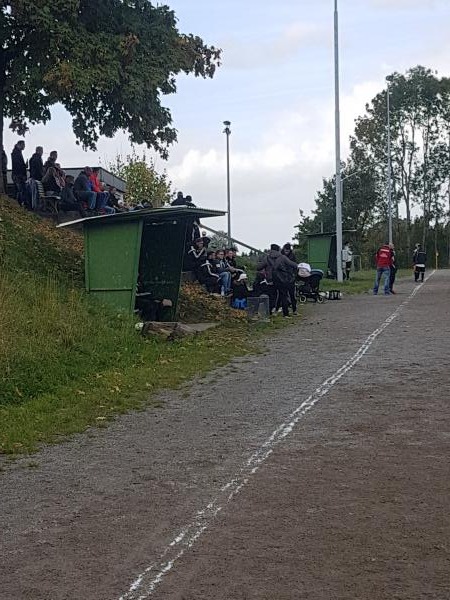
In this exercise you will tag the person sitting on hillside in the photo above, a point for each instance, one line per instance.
(51, 161)
(207, 274)
(54, 180)
(240, 292)
(68, 200)
(102, 196)
(83, 190)
(224, 271)
(195, 256)
(36, 164)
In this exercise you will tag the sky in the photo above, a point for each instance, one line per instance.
(276, 86)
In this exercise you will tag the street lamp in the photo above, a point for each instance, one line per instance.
(339, 273)
(227, 132)
(389, 163)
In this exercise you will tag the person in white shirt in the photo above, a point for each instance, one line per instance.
(347, 258)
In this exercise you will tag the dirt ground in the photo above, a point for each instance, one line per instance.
(212, 497)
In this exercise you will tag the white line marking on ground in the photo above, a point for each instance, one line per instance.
(146, 583)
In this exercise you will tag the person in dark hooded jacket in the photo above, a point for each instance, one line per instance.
(280, 272)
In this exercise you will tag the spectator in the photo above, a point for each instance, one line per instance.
(240, 292)
(264, 279)
(283, 276)
(51, 161)
(5, 170)
(36, 164)
(223, 269)
(383, 259)
(19, 171)
(82, 189)
(207, 275)
(102, 196)
(347, 259)
(419, 260)
(289, 253)
(54, 179)
(195, 256)
(393, 270)
(68, 199)
(179, 200)
(188, 201)
(206, 239)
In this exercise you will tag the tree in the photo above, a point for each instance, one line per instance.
(418, 108)
(107, 62)
(143, 183)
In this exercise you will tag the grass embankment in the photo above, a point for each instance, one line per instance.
(360, 281)
(67, 364)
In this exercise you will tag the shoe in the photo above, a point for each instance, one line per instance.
(287, 316)
(392, 292)
(295, 313)
(387, 293)
(375, 293)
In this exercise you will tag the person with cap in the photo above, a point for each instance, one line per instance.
(419, 260)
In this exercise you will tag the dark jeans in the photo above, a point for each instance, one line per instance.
(90, 198)
(283, 291)
(19, 182)
(392, 277)
(291, 296)
(419, 271)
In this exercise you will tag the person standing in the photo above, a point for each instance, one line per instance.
(393, 270)
(51, 161)
(383, 259)
(279, 270)
(19, 171)
(5, 171)
(36, 164)
(347, 259)
(287, 251)
(419, 260)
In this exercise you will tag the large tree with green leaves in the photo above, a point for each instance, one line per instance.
(107, 62)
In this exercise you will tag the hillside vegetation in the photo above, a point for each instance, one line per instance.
(65, 362)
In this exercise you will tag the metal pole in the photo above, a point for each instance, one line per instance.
(227, 131)
(389, 164)
(338, 149)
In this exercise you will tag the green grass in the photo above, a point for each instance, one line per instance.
(360, 282)
(67, 364)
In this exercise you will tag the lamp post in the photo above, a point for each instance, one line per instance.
(389, 164)
(227, 132)
(338, 148)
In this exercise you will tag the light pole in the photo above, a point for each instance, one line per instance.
(338, 148)
(227, 132)
(389, 164)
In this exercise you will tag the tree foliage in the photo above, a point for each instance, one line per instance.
(143, 182)
(420, 178)
(108, 62)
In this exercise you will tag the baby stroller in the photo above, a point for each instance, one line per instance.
(309, 287)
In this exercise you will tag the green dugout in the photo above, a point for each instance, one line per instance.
(143, 248)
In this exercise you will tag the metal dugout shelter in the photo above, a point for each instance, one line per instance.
(145, 246)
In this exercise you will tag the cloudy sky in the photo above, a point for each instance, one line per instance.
(276, 87)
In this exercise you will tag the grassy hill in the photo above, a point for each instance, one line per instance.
(67, 363)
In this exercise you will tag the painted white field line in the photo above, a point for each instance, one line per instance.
(147, 582)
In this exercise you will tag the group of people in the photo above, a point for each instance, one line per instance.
(85, 194)
(219, 273)
(387, 268)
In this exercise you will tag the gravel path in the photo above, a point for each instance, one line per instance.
(352, 503)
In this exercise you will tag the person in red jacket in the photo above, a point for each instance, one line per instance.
(383, 259)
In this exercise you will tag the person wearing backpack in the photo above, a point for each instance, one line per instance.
(419, 260)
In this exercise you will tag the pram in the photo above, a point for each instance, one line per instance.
(309, 287)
